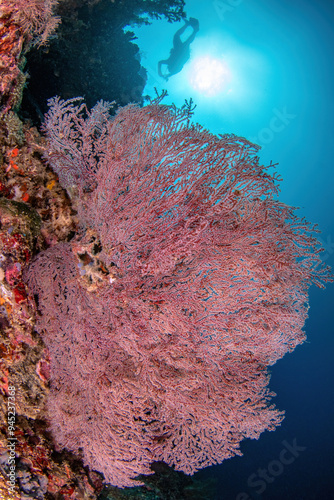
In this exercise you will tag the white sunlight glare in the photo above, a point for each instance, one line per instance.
(209, 75)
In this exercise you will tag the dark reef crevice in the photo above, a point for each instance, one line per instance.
(92, 55)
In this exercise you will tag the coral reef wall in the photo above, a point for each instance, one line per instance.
(22, 23)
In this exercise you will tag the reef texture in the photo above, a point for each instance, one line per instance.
(187, 279)
(22, 23)
(35, 212)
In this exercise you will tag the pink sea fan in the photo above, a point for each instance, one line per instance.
(187, 280)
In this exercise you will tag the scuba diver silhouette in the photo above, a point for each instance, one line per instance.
(180, 53)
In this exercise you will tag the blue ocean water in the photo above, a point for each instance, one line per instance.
(264, 70)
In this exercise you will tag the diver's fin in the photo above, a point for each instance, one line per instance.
(194, 23)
